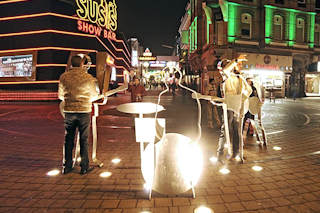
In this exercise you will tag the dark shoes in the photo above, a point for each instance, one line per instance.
(67, 170)
(86, 171)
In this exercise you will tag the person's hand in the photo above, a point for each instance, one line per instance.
(242, 58)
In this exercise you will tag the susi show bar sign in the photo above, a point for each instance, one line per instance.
(97, 17)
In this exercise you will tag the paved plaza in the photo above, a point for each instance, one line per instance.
(32, 135)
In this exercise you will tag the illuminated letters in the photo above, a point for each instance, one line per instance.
(103, 14)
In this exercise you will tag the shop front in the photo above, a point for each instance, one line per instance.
(39, 37)
(312, 83)
(270, 71)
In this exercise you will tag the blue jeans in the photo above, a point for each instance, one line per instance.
(73, 121)
(235, 132)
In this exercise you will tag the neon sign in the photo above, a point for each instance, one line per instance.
(102, 17)
(103, 14)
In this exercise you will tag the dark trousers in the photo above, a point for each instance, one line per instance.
(73, 121)
(235, 128)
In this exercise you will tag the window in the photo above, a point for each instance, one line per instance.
(317, 34)
(300, 25)
(277, 27)
(279, 1)
(302, 3)
(246, 25)
(318, 4)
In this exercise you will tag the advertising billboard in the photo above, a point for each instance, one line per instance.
(16, 66)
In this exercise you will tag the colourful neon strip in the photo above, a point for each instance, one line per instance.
(47, 48)
(28, 82)
(57, 15)
(66, 33)
(268, 25)
(292, 28)
(289, 10)
(119, 50)
(103, 44)
(57, 65)
(232, 22)
(38, 15)
(51, 65)
(11, 1)
(311, 29)
(46, 31)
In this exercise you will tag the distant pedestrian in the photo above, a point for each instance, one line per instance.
(137, 90)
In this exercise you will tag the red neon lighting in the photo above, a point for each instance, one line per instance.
(11, 1)
(125, 46)
(26, 96)
(57, 65)
(28, 82)
(51, 65)
(67, 33)
(45, 31)
(112, 52)
(38, 15)
(119, 50)
(48, 48)
(57, 15)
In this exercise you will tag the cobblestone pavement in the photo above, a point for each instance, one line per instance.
(32, 134)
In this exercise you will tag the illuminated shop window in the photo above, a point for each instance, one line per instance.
(300, 29)
(317, 34)
(246, 25)
(278, 27)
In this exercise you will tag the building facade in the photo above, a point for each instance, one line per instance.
(279, 37)
(39, 37)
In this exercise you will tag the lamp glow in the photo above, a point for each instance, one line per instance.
(277, 148)
(224, 171)
(116, 161)
(54, 172)
(203, 209)
(214, 159)
(79, 159)
(105, 174)
(257, 168)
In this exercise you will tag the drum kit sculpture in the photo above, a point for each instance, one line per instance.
(171, 163)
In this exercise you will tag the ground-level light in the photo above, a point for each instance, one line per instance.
(54, 172)
(105, 174)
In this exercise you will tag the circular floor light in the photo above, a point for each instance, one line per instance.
(105, 174)
(116, 160)
(257, 168)
(203, 209)
(277, 148)
(214, 159)
(54, 172)
(224, 171)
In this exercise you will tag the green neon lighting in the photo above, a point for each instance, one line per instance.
(289, 10)
(232, 20)
(268, 25)
(208, 31)
(196, 33)
(214, 5)
(311, 29)
(193, 35)
(292, 28)
(243, 5)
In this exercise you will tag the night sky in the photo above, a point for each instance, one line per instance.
(153, 22)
